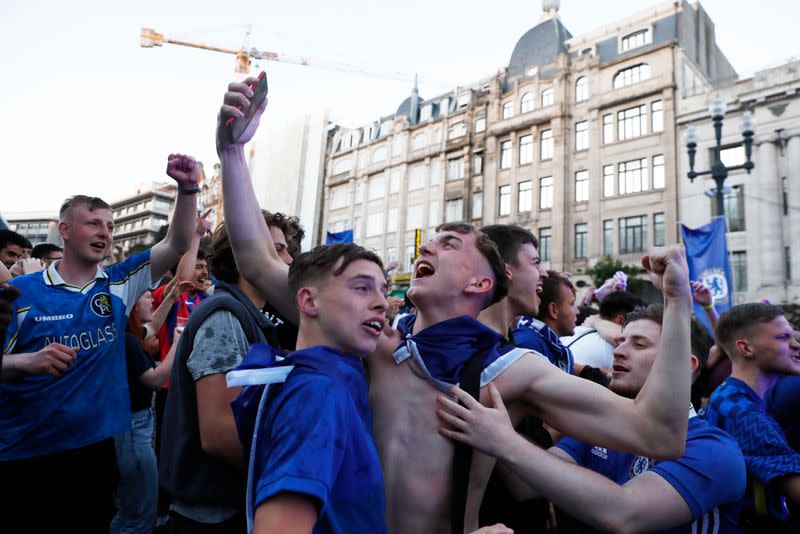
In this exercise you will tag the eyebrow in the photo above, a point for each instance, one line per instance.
(370, 279)
(450, 237)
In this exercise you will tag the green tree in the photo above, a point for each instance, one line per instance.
(606, 267)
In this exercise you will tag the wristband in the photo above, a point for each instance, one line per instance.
(709, 307)
(189, 191)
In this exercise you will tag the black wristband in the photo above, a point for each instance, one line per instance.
(189, 191)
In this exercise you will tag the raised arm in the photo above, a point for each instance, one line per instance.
(166, 253)
(646, 503)
(188, 263)
(253, 248)
(157, 377)
(701, 294)
(652, 424)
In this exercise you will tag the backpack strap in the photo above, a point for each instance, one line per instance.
(462, 453)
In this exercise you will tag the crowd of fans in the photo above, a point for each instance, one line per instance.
(224, 381)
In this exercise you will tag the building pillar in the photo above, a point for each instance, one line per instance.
(768, 281)
(793, 184)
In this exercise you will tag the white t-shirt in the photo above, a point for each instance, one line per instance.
(590, 349)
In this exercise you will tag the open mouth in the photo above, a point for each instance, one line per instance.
(376, 325)
(620, 368)
(98, 246)
(423, 270)
(539, 288)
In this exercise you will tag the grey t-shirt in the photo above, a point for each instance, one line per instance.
(219, 346)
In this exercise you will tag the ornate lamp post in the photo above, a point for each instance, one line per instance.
(718, 169)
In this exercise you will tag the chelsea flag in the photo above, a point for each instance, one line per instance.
(707, 255)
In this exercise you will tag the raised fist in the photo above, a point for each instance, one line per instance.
(184, 170)
(668, 270)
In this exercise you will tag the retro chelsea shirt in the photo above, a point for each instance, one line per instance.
(42, 414)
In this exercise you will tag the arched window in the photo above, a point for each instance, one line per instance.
(508, 110)
(581, 89)
(548, 97)
(527, 103)
(632, 75)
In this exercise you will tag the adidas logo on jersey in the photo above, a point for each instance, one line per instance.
(600, 452)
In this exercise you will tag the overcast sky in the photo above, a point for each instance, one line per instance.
(87, 110)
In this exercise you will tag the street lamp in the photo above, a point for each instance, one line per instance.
(718, 169)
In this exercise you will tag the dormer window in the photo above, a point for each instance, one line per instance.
(386, 127)
(444, 106)
(464, 99)
(635, 40)
(426, 112)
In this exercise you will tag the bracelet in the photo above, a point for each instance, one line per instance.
(191, 191)
(709, 307)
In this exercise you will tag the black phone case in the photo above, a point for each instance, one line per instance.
(259, 94)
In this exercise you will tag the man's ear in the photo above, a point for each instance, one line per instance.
(744, 348)
(509, 272)
(480, 285)
(694, 363)
(307, 301)
(619, 319)
(62, 229)
(552, 310)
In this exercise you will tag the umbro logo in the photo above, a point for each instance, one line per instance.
(53, 317)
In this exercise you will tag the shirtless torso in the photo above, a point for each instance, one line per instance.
(416, 459)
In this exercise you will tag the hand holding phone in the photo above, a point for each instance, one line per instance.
(259, 88)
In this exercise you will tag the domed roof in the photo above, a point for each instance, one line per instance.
(404, 108)
(539, 46)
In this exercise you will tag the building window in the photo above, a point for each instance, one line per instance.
(525, 196)
(477, 162)
(582, 186)
(436, 172)
(633, 176)
(658, 172)
(734, 208)
(410, 250)
(581, 241)
(455, 169)
(657, 116)
(632, 234)
(659, 238)
(525, 149)
(527, 103)
(374, 224)
(546, 193)
(419, 142)
(508, 110)
(505, 155)
(454, 210)
(739, 268)
(340, 166)
(608, 181)
(376, 187)
(391, 255)
(785, 196)
(582, 135)
(414, 216)
(339, 196)
(391, 220)
(416, 177)
(477, 204)
(444, 106)
(632, 122)
(608, 237)
(731, 155)
(386, 127)
(635, 40)
(480, 122)
(457, 129)
(504, 205)
(632, 75)
(608, 129)
(581, 89)
(433, 213)
(398, 146)
(464, 99)
(546, 145)
(548, 97)
(545, 240)
(426, 112)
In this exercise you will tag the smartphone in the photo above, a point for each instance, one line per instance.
(259, 88)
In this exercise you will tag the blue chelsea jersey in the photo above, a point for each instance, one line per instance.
(42, 414)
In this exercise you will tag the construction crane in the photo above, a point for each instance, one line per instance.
(150, 38)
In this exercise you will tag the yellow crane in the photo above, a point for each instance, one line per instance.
(151, 38)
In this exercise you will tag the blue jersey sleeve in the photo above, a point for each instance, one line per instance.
(129, 279)
(576, 449)
(301, 443)
(782, 402)
(528, 338)
(710, 473)
(766, 452)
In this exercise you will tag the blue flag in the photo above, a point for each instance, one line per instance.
(707, 254)
(339, 237)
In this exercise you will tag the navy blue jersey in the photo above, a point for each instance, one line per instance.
(710, 476)
(533, 334)
(44, 414)
(782, 403)
(314, 438)
(737, 409)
